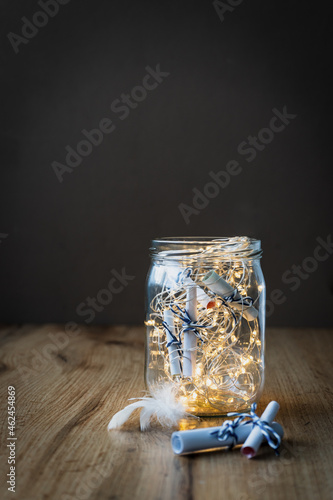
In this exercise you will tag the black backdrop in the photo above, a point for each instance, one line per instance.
(225, 68)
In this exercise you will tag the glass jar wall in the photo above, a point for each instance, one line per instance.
(206, 321)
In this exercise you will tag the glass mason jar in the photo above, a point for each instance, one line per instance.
(206, 322)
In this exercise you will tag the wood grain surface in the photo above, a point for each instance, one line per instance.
(68, 386)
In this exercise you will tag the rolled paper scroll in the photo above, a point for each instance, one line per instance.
(190, 339)
(184, 442)
(175, 368)
(202, 296)
(221, 287)
(176, 275)
(254, 440)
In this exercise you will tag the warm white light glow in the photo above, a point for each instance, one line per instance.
(227, 362)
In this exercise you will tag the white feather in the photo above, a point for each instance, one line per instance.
(163, 405)
(120, 418)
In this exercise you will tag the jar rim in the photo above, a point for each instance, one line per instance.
(183, 247)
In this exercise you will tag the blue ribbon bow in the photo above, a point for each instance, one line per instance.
(231, 299)
(186, 273)
(189, 325)
(228, 428)
(246, 301)
(174, 340)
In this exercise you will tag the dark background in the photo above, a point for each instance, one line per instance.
(225, 79)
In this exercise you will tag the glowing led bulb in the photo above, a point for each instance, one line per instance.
(199, 369)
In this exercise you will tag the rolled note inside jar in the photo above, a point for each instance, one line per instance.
(207, 438)
(190, 339)
(178, 276)
(222, 288)
(169, 327)
(202, 296)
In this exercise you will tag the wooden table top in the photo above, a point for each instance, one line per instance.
(68, 388)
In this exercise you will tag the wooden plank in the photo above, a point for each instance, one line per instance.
(68, 388)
